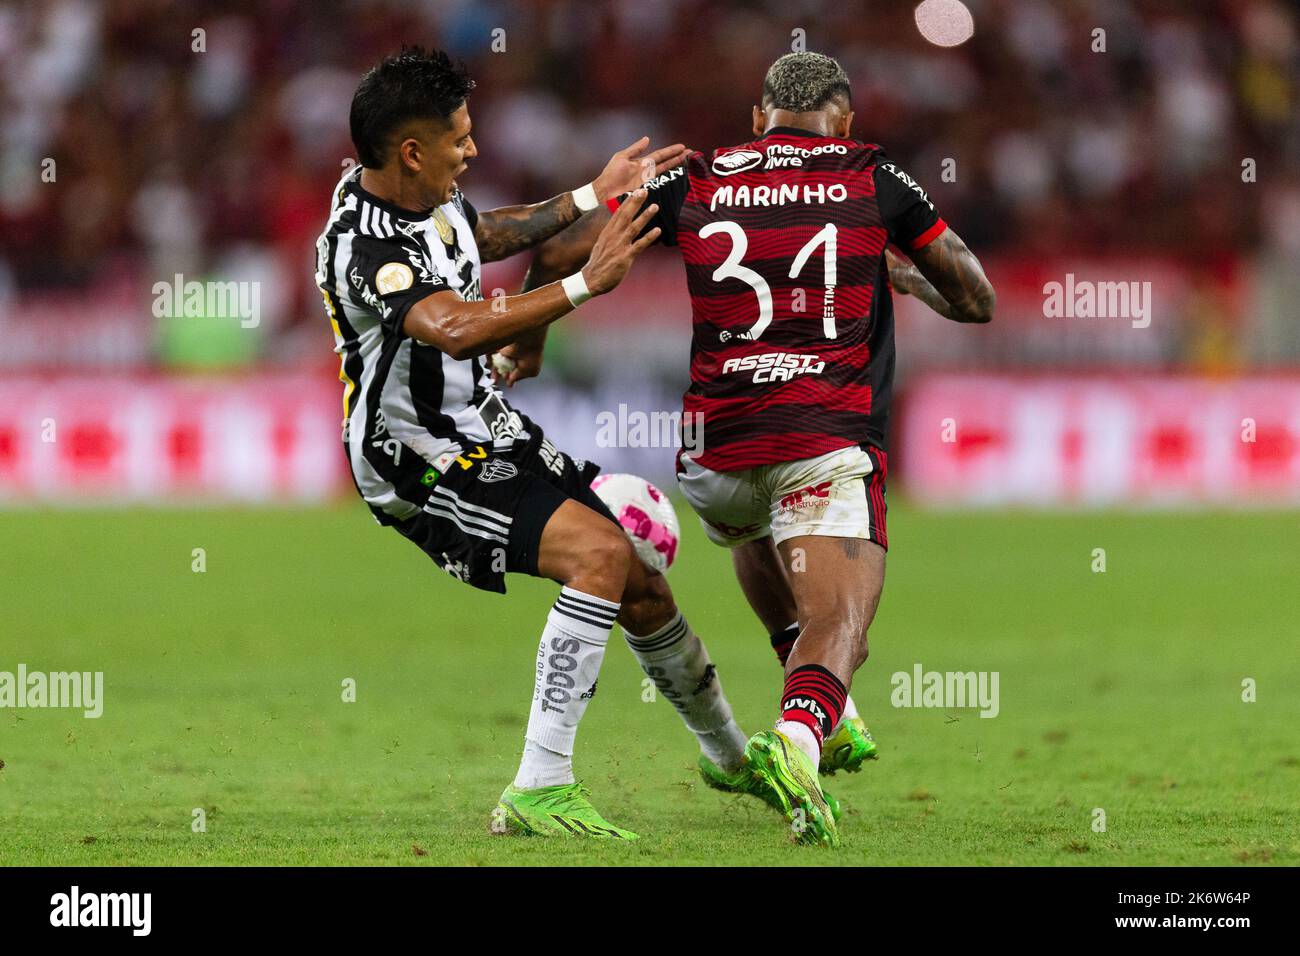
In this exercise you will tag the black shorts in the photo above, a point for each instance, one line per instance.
(485, 515)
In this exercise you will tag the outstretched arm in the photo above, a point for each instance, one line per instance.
(947, 277)
(500, 233)
(560, 255)
(465, 329)
(557, 257)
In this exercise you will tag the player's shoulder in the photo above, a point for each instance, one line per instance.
(463, 207)
(373, 224)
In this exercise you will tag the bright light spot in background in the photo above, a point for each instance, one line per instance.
(945, 22)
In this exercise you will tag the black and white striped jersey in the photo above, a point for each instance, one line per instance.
(408, 408)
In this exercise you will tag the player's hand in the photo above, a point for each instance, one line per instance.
(617, 245)
(515, 362)
(628, 169)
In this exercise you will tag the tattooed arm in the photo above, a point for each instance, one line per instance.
(947, 277)
(557, 257)
(500, 233)
(465, 329)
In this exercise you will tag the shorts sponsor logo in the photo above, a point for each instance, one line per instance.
(660, 181)
(457, 569)
(498, 469)
(551, 456)
(731, 530)
(810, 496)
(736, 161)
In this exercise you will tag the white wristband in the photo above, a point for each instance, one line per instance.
(575, 287)
(585, 198)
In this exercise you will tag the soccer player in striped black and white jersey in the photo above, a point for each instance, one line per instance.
(436, 450)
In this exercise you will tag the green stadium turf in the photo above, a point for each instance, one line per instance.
(1119, 690)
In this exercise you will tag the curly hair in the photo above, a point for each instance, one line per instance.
(803, 82)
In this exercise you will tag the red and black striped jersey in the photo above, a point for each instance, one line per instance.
(783, 238)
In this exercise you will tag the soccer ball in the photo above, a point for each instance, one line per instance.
(646, 515)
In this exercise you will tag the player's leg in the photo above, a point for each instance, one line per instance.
(828, 523)
(837, 589)
(836, 584)
(668, 650)
(734, 513)
(673, 656)
(763, 580)
(590, 559)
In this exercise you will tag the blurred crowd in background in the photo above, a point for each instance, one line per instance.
(1132, 141)
(168, 159)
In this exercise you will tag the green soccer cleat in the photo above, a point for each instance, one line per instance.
(777, 764)
(848, 747)
(553, 811)
(742, 781)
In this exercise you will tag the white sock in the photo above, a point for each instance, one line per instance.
(678, 662)
(568, 662)
(850, 711)
(801, 736)
(540, 767)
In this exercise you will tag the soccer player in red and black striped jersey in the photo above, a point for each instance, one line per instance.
(784, 239)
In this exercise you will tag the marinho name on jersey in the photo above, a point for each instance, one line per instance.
(778, 195)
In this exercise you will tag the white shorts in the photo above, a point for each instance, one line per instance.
(838, 495)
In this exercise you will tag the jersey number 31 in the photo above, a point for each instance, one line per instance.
(732, 269)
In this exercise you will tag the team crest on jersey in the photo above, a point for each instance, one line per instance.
(736, 161)
(393, 277)
(498, 469)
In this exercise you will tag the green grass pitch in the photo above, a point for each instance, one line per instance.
(1119, 690)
